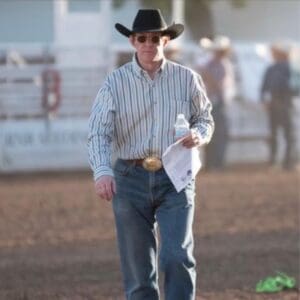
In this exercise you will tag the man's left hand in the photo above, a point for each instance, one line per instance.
(191, 140)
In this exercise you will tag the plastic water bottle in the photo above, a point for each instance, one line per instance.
(182, 126)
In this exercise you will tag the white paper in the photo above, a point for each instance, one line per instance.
(181, 164)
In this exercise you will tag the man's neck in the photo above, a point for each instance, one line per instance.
(151, 68)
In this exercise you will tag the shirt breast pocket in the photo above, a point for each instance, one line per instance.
(183, 106)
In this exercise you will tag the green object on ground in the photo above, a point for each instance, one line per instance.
(275, 284)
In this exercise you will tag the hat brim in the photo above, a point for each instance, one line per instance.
(173, 31)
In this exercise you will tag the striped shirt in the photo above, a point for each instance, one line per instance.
(133, 116)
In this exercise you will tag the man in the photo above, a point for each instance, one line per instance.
(219, 79)
(133, 119)
(277, 95)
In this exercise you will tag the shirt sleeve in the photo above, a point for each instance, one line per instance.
(265, 86)
(201, 118)
(101, 130)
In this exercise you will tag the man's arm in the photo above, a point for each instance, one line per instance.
(101, 124)
(265, 89)
(201, 122)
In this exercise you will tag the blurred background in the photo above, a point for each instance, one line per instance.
(54, 55)
(57, 240)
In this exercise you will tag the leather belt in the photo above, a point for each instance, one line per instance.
(151, 163)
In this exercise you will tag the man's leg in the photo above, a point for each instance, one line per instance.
(290, 157)
(175, 218)
(273, 136)
(134, 219)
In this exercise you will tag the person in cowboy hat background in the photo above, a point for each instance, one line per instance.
(133, 119)
(219, 78)
(277, 95)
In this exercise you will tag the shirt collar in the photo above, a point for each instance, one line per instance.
(139, 71)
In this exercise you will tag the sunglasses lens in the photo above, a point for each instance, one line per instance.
(141, 39)
(155, 39)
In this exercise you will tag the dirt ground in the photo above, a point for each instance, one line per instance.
(57, 240)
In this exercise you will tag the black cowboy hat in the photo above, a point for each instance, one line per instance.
(151, 20)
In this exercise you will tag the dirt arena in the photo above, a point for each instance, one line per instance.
(57, 240)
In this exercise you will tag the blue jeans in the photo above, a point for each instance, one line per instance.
(144, 199)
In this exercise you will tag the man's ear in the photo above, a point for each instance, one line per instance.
(166, 40)
(131, 39)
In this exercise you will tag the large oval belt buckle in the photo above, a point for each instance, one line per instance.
(152, 164)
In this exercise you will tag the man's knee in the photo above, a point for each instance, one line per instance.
(176, 259)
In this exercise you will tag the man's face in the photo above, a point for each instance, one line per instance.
(221, 53)
(149, 46)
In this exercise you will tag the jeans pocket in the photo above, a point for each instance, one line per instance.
(122, 167)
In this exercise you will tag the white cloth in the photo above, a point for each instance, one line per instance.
(181, 164)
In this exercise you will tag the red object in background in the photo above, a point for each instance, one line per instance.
(51, 97)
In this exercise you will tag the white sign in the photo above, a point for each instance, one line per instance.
(30, 145)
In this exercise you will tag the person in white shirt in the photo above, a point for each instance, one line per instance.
(133, 119)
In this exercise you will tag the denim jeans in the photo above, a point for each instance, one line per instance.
(144, 199)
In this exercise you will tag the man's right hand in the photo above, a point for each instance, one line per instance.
(105, 187)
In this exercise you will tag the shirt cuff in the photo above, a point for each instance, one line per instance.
(101, 171)
(203, 140)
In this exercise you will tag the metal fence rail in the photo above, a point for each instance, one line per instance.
(21, 91)
(34, 138)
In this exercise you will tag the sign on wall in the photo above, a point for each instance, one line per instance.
(31, 145)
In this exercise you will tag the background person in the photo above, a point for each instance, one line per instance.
(133, 118)
(277, 95)
(218, 75)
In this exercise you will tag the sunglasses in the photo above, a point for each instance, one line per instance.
(154, 39)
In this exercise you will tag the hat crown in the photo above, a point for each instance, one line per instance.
(281, 46)
(148, 19)
(219, 42)
(151, 20)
